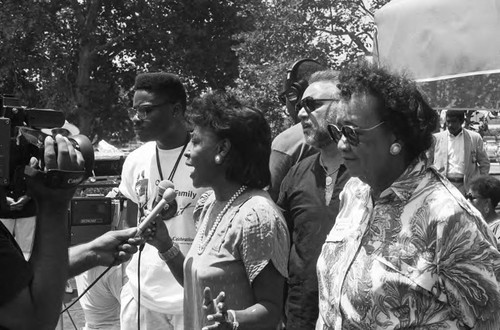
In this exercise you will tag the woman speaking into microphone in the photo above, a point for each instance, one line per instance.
(240, 251)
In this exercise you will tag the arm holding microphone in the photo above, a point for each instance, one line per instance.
(111, 248)
(155, 232)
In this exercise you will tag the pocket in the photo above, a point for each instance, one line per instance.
(419, 277)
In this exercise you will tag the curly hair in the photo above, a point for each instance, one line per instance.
(164, 84)
(401, 105)
(247, 130)
(488, 187)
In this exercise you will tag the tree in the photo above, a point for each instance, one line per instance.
(330, 32)
(87, 53)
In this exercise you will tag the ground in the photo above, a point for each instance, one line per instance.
(73, 318)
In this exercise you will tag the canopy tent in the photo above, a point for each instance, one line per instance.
(439, 39)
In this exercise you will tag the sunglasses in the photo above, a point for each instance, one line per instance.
(310, 104)
(143, 111)
(350, 132)
(471, 197)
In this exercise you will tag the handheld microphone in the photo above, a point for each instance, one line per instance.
(168, 196)
(162, 186)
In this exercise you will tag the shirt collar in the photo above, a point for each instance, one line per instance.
(458, 135)
(405, 185)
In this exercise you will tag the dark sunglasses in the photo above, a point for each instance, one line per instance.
(350, 132)
(310, 104)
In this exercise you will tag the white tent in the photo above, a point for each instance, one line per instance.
(439, 39)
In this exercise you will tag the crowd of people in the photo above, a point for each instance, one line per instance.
(359, 216)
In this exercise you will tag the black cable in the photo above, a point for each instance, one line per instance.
(141, 247)
(70, 318)
(88, 288)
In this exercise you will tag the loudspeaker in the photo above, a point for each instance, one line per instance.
(89, 218)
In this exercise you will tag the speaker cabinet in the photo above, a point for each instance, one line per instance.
(89, 218)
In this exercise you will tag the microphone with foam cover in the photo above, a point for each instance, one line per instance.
(167, 197)
(162, 186)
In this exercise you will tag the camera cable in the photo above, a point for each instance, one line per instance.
(88, 288)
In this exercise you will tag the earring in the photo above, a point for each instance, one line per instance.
(395, 149)
(218, 159)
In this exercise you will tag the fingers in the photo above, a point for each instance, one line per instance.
(67, 157)
(207, 297)
(50, 157)
(124, 234)
(127, 248)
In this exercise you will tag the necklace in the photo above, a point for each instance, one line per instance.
(174, 169)
(329, 176)
(204, 240)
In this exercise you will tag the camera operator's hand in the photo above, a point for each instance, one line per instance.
(67, 158)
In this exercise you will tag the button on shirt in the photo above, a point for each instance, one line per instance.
(456, 154)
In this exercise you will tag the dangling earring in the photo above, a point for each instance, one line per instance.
(395, 149)
(218, 159)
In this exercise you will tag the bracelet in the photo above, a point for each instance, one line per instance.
(233, 315)
(170, 253)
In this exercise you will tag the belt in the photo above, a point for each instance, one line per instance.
(456, 179)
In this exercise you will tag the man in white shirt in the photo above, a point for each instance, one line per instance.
(459, 153)
(152, 294)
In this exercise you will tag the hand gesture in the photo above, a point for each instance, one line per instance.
(216, 311)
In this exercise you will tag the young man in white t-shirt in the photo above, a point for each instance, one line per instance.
(158, 117)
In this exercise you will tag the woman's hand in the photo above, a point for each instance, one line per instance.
(157, 235)
(216, 311)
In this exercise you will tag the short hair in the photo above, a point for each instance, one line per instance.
(162, 84)
(247, 130)
(458, 114)
(400, 103)
(325, 75)
(488, 187)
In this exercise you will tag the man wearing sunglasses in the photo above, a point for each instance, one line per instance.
(309, 197)
(459, 153)
(289, 146)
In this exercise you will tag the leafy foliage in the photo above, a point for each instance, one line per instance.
(286, 31)
(82, 56)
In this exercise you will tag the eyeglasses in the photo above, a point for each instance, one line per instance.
(310, 104)
(143, 111)
(350, 132)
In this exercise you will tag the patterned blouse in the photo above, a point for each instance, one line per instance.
(419, 257)
(252, 234)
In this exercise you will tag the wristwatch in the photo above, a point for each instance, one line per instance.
(170, 253)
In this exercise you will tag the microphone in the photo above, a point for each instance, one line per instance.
(162, 186)
(168, 196)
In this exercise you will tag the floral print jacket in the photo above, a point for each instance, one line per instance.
(419, 257)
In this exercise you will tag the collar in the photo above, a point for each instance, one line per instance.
(405, 185)
(458, 135)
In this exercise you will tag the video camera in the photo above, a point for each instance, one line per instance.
(21, 139)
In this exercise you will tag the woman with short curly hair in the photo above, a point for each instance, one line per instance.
(240, 251)
(407, 251)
